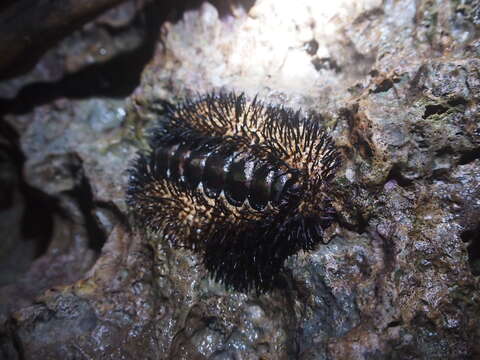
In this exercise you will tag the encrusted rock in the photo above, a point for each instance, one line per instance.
(398, 83)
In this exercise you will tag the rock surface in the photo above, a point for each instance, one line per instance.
(399, 86)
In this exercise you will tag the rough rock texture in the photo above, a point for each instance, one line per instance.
(399, 86)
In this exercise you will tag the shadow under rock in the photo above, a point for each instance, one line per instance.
(117, 77)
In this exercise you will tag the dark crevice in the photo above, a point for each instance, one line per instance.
(396, 175)
(469, 156)
(11, 343)
(37, 220)
(358, 225)
(384, 86)
(438, 109)
(83, 195)
(364, 148)
(7, 178)
(17, 343)
(472, 239)
(394, 323)
(361, 225)
(6, 3)
(388, 245)
(115, 78)
(434, 109)
(458, 101)
(446, 150)
(119, 76)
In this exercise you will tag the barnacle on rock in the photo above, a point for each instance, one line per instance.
(241, 182)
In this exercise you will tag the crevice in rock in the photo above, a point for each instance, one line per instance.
(37, 219)
(5, 4)
(458, 101)
(16, 342)
(394, 323)
(9, 347)
(469, 156)
(472, 239)
(358, 223)
(434, 109)
(83, 195)
(364, 148)
(438, 109)
(396, 175)
(384, 86)
(362, 225)
(115, 78)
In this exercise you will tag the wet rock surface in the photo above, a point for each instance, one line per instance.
(399, 86)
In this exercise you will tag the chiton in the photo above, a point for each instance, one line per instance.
(241, 182)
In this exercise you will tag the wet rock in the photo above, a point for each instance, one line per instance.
(398, 83)
(111, 34)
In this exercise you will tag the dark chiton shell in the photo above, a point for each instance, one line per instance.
(241, 182)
